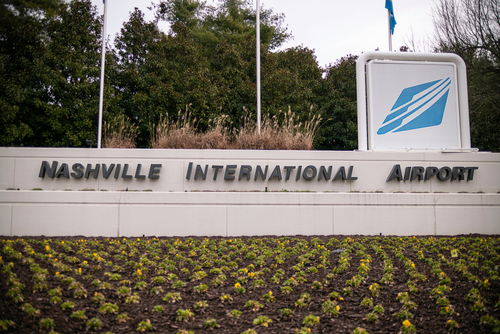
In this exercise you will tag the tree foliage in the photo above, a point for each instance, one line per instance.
(205, 64)
(49, 73)
(471, 29)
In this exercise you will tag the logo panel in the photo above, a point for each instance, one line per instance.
(418, 107)
(412, 105)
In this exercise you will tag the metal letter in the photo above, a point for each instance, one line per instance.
(395, 173)
(51, 171)
(107, 172)
(78, 168)
(314, 173)
(245, 170)
(326, 173)
(216, 170)
(138, 172)
(153, 171)
(94, 171)
(230, 170)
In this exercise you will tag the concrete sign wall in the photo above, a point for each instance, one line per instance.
(241, 170)
(113, 192)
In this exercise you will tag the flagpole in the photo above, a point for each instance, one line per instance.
(258, 66)
(390, 32)
(101, 89)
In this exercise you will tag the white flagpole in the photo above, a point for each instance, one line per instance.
(258, 66)
(101, 90)
(390, 33)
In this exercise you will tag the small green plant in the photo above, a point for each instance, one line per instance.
(402, 297)
(226, 298)
(447, 310)
(98, 298)
(335, 296)
(286, 290)
(123, 291)
(141, 285)
(80, 315)
(408, 327)
(158, 280)
(144, 326)
(268, 297)
(300, 303)
(347, 291)
(330, 307)
(310, 320)
(484, 285)
(478, 305)
(371, 317)
(133, 299)
(30, 310)
(156, 290)
(287, 313)
(184, 315)
(6, 324)
(359, 330)
(55, 292)
(451, 324)
(172, 297)
(235, 313)
(158, 308)
(253, 305)
(404, 314)
(123, 317)
(177, 284)
(378, 309)
(249, 331)
(46, 323)
(200, 305)
(317, 285)
(210, 323)
(108, 308)
(201, 288)
(262, 321)
(312, 270)
(366, 302)
(67, 305)
(55, 300)
(238, 288)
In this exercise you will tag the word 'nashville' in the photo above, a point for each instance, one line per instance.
(247, 172)
(79, 171)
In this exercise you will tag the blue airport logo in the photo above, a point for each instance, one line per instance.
(418, 107)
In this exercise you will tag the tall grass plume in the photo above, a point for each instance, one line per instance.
(119, 132)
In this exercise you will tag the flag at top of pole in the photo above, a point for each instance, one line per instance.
(392, 19)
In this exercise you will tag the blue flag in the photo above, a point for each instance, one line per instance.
(388, 5)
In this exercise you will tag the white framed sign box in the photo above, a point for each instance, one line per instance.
(412, 101)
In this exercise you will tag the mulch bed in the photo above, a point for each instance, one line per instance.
(479, 255)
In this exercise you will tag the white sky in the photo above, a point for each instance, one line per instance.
(333, 28)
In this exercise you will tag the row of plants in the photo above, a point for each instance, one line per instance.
(201, 284)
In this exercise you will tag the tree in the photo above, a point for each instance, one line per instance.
(160, 74)
(21, 43)
(233, 21)
(50, 75)
(338, 104)
(471, 29)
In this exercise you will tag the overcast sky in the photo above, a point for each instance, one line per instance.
(333, 28)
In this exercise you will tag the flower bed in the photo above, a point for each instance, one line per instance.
(252, 285)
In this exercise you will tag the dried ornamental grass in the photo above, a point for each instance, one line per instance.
(276, 135)
(180, 133)
(119, 133)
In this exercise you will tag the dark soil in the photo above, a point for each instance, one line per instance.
(480, 256)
